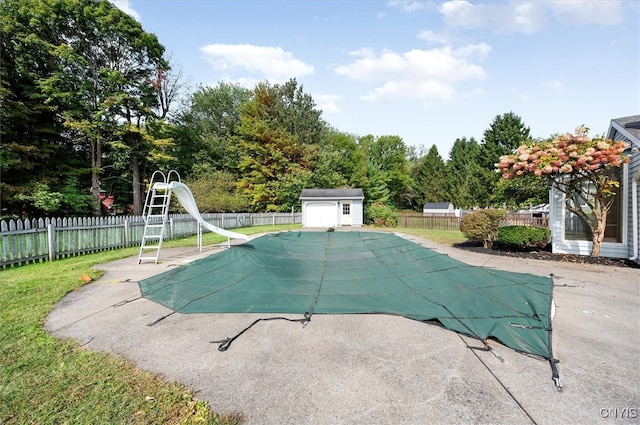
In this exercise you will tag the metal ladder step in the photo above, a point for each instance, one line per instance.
(156, 209)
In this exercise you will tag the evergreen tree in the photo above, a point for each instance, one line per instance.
(504, 135)
(429, 179)
(463, 173)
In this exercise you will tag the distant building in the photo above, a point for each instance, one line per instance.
(440, 209)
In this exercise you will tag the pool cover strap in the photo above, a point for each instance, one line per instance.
(225, 343)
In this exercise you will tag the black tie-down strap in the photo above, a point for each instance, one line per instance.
(225, 343)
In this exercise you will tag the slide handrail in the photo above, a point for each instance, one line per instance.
(188, 202)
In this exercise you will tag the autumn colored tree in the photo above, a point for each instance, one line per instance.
(278, 136)
(578, 166)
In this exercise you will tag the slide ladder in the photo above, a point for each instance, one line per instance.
(155, 216)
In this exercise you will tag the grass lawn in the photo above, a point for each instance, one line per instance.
(444, 237)
(46, 380)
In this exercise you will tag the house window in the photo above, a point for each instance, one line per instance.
(576, 229)
(346, 209)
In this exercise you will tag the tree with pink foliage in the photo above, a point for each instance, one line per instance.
(578, 166)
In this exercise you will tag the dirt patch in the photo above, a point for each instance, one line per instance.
(546, 254)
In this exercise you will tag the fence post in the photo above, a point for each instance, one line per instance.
(50, 239)
(126, 232)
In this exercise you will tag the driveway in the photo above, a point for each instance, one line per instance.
(366, 369)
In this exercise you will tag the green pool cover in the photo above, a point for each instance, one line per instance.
(362, 272)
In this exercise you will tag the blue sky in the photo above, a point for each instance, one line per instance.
(427, 71)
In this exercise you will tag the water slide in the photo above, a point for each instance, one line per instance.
(188, 202)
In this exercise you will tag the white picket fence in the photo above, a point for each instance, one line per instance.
(25, 241)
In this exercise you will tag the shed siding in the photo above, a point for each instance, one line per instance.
(357, 213)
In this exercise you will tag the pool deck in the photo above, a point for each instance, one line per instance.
(376, 369)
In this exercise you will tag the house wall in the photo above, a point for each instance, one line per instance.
(560, 245)
(634, 169)
(357, 212)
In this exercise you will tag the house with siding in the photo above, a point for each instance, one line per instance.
(622, 236)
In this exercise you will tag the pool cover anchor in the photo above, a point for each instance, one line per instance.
(486, 347)
(224, 344)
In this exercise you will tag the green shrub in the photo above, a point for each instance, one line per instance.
(381, 215)
(524, 237)
(482, 225)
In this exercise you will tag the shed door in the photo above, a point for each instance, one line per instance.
(321, 214)
(346, 214)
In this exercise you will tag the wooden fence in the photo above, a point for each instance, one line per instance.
(25, 241)
(451, 222)
(419, 221)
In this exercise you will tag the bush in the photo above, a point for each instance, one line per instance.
(523, 237)
(482, 226)
(381, 215)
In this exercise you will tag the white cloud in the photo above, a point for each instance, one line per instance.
(416, 74)
(525, 17)
(434, 37)
(327, 102)
(408, 6)
(271, 63)
(587, 12)
(553, 85)
(529, 17)
(125, 6)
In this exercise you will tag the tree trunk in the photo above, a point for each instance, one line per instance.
(96, 168)
(137, 196)
(597, 234)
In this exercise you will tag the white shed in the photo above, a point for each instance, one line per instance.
(438, 208)
(332, 207)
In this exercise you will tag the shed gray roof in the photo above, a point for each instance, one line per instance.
(437, 205)
(332, 194)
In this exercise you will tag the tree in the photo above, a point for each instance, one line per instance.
(429, 179)
(375, 190)
(207, 129)
(339, 162)
(578, 166)
(32, 132)
(95, 77)
(216, 191)
(388, 154)
(521, 193)
(278, 137)
(504, 135)
(463, 172)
